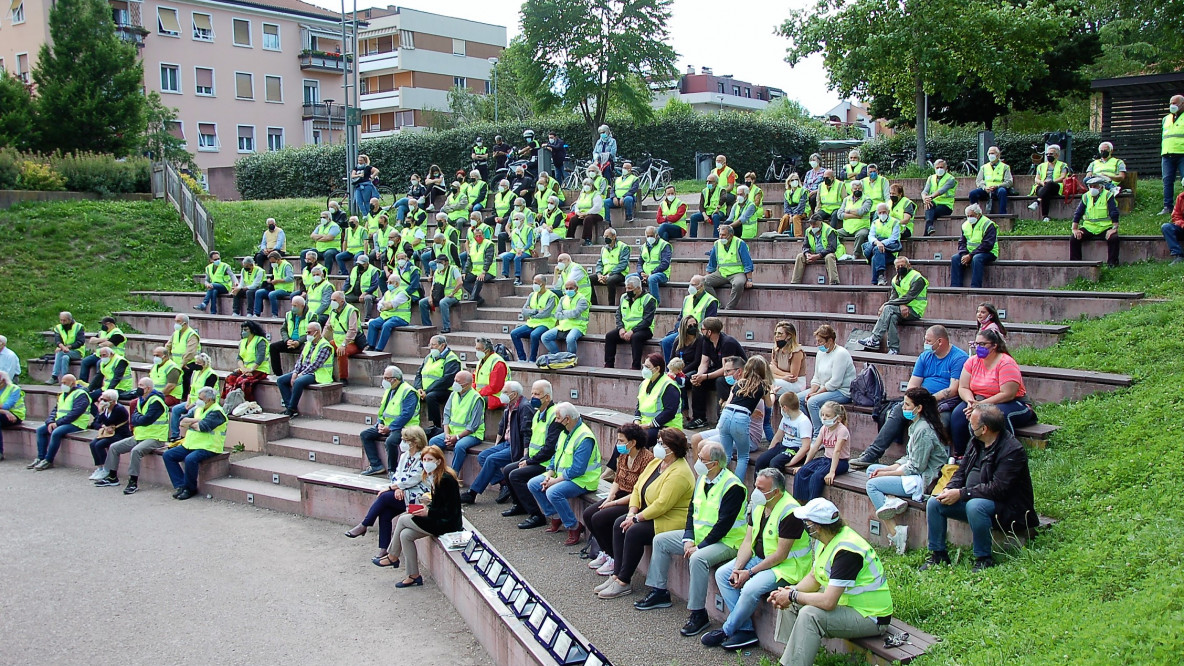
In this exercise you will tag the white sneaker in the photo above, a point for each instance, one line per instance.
(606, 569)
(99, 473)
(602, 587)
(900, 539)
(1033, 205)
(1046, 219)
(893, 506)
(599, 561)
(615, 589)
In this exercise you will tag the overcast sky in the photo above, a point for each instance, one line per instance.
(741, 44)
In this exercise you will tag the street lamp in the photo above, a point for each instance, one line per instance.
(493, 68)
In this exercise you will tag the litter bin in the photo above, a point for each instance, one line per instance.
(704, 162)
(1065, 141)
(986, 139)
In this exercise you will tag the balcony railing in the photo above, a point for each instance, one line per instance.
(321, 111)
(128, 24)
(323, 62)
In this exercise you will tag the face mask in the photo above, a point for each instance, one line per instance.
(608, 241)
(353, 225)
(719, 165)
(883, 217)
(1175, 108)
(622, 449)
(829, 422)
(627, 171)
(1105, 154)
(895, 200)
(66, 388)
(822, 349)
(156, 360)
(660, 451)
(758, 498)
(982, 351)
(692, 330)
(1050, 158)
(650, 240)
(692, 290)
(828, 181)
(217, 262)
(245, 334)
(176, 327)
(813, 164)
(316, 279)
(271, 227)
(536, 402)
(972, 220)
(928, 347)
(730, 380)
(550, 206)
(711, 186)
(561, 266)
(310, 337)
(435, 353)
(404, 447)
(1096, 191)
(403, 263)
(481, 355)
(853, 160)
(414, 182)
(536, 288)
(670, 197)
(571, 293)
(102, 405)
(872, 176)
(502, 188)
(430, 466)
(993, 157)
(781, 343)
(909, 414)
(700, 468)
(386, 384)
(391, 285)
(740, 199)
(504, 397)
(902, 271)
(856, 194)
(939, 172)
(646, 373)
(456, 387)
(793, 184)
(587, 188)
(604, 135)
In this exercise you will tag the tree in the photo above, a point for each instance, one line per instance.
(675, 108)
(1138, 37)
(159, 143)
(901, 51)
(17, 122)
(511, 99)
(589, 55)
(88, 83)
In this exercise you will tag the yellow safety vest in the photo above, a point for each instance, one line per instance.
(159, 374)
(325, 228)
(649, 401)
(1097, 212)
(852, 171)
(583, 285)
(898, 211)
(249, 277)
(854, 224)
(993, 174)
(18, 410)
(486, 369)
(315, 296)
(453, 200)
(283, 277)
(705, 504)
(198, 380)
(581, 324)
(568, 442)
(355, 239)
(699, 310)
(901, 287)
(724, 176)
(711, 200)
(447, 278)
(522, 238)
(884, 229)
(623, 185)
(974, 234)
(870, 597)
(727, 258)
(634, 312)
(1058, 171)
(214, 440)
(539, 301)
(748, 229)
(669, 208)
(936, 184)
(246, 354)
(104, 336)
(553, 218)
(180, 341)
(462, 406)
(361, 282)
(158, 429)
(68, 336)
(817, 244)
(339, 323)
(392, 406)
(1173, 135)
(876, 190)
(1110, 168)
(297, 322)
(830, 197)
(611, 256)
(503, 202)
(584, 203)
(323, 374)
(402, 311)
(478, 193)
(107, 370)
(796, 564)
(66, 401)
(477, 256)
(539, 425)
(433, 368)
(220, 274)
(651, 256)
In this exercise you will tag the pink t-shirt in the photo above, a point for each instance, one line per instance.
(830, 438)
(986, 381)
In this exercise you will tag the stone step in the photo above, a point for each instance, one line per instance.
(344, 433)
(279, 470)
(262, 494)
(322, 452)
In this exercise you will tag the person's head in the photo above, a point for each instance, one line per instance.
(454, 186)
(271, 224)
(671, 193)
(993, 154)
(5, 379)
(610, 236)
(882, 210)
(441, 220)
(988, 313)
(364, 160)
(873, 172)
(463, 381)
(570, 289)
(538, 283)
(364, 262)
(215, 256)
(856, 189)
(68, 381)
(415, 439)
(833, 413)
(373, 203)
(563, 261)
(158, 355)
(793, 182)
(673, 443)
(630, 438)
(392, 376)
(434, 465)
(274, 257)
(298, 303)
(497, 138)
(651, 235)
(750, 179)
(311, 258)
(853, 157)
(105, 352)
(552, 202)
(712, 459)
(688, 331)
(442, 262)
(986, 422)
(653, 365)
(541, 392)
(675, 366)
(828, 176)
(725, 230)
(318, 274)
(973, 212)
(895, 191)
(326, 216)
(483, 347)
(437, 345)
(604, 131)
(314, 330)
(785, 336)
(528, 134)
(627, 167)
(902, 265)
(180, 321)
(567, 416)
(633, 285)
(1176, 103)
(733, 368)
(821, 518)
(519, 171)
(588, 184)
(721, 161)
(815, 160)
(789, 403)
(108, 398)
(1052, 153)
(248, 263)
(337, 301)
(713, 327)
(107, 323)
(988, 343)
(511, 392)
(474, 175)
(414, 181)
(207, 395)
(755, 375)
(251, 328)
(551, 135)
(824, 337)
(939, 167)
(768, 486)
(920, 405)
(518, 218)
(333, 208)
(412, 204)
(697, 285)
(712, 180)
(937, 340)
(202, 360)
(741, 193)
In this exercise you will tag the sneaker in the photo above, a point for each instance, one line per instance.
(599, 561)
(900, 539)
(936, 557)
(714, 638)
(1033, 205)
(696, 424)
(36, 462)
(655, 599)
(99, 473)
(373, 471)
(42, 466)
(893, 352)
(603, 586)
(862, 462)
(981, 563)
(606, 569)
(1178, 260)
(742, 639)
(893, 506)
(1165, 211)
(870, 343)
(1046, 219)
(881, 283)
(107, 482)
(698, 621)
(131, 489)
(615, 589)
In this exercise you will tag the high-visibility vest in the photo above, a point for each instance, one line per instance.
(854, 224)
(448, 278)
(623, 184)
(66, 401)
(757, 196)
(214, 440)
(478, 193)
(220, 274)
(566, 453)
(1110, 168)
(402, 311)
(339, 324)
(724, 176)
(974, 234)
(486, 369)
(104, 336)
(553, 218)
(453, 199)
(158, 429)
(876, 190)
(295, 326)
(477, 256)
(634, 312)
(199, 379)
(107, 370)
(391, 406)
(540, 300)
(1173, 135)
(870, 596)
(246, 354)
(522, 238)
(705, 505)
(544, 194)
(580, 323)
(898, 211)
(818, 243)
(697, 310)
(462, 406)
(18, 410)
(1097, 212)
(1058, 171)
(583, 285)
(247, 277)
(539, 424)
(315, 295)
(159, 374)
(324, 374)
(180, 341)
(727, 258)
(359, 283)
(370, 223)
(993, 174)
(283, 277)
(600, 184)
(325, 228)
(481, 152)
(407, 276)
(651, 256)
(611, 256)
(68, 336)
(796, 564)
(749, 228)
(584, 202)
(902, 286)
(669, 208)
(503, 202)
(711, 200)
(649, 402)
(794, 197)
(935, 184)
(433, 368)
(884, 229)
(852, 171)
(355, 239)
(830, 197)
(415, 217)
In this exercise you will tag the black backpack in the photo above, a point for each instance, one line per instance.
(503, 351)
(867, 389)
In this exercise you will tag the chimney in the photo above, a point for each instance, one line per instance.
(706, 70)
(690, 70)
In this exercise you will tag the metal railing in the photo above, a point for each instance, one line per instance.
(167, 184)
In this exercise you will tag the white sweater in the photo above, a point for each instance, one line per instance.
(834, 370)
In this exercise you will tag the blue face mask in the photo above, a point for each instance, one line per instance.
(821, 349)
(908, 414)
(536, 403)
(604, 135)
(571, 293)
(621, 448)
(928, 347)
(872, 175)
(730, 380)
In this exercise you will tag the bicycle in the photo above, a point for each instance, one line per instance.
(900, 161)
(575, 176)
(658, 174)
(778, 173)
(970, 163)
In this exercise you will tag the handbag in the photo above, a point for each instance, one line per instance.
(947, 473)
(1073, 187)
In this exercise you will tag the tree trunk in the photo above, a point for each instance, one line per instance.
(922, 123)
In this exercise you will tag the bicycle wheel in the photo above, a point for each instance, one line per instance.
(339, 196)
(386, 196)
(645, 185)
(665, 177)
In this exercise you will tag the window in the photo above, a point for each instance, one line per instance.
(177, 129)
(244, 85)
(316, 137)
(407, 39)
(18, 12)
(22, 67)
(271, 37)
(736, 90)
(246, 138)
(170, 78)
(207, 136)
(203, 81)
(406, 118)
(167, 22)
(275, 138)
(242, 32)
(460, 82)
(748, 93)
(203, 28)
(488, 88)
(312, 91)
(458, 47)
(273, 89)
(720, 87)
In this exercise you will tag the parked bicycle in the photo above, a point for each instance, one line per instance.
(779, 168)
(656, 176)
(970, 163)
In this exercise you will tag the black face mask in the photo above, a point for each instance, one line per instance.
(353, 225)
(1105, 154)
(828, 181)
(782, 343)
(902, 271)
(271, 227)
(692, 330)
(1050, 158)
(608, 241)
(857, 194)
(895, 199)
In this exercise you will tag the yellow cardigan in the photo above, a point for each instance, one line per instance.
(668, 497)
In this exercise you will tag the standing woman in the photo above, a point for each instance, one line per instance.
(363, 177)
(408, 486)
(632, 456)
(439, 517)
(751, 389)
(604, 155)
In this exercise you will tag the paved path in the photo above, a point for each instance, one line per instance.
(91, 576)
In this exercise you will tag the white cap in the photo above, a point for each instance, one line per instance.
(818, 510)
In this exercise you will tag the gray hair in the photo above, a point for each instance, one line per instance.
(743, 189)
(207, 393)
(715, 451)
(566, 410)
(485, 343)
(974, 208)
(394, 371)
(883, 205)
(1056, 148)
(183, 317)
(300, 299)
(544, 386)
(1104, 145)
(553, 199)
(206, 358)
(632, 281)
(991, 417)
(512, 387)
(588, 181)
(248, 261)
(440, 340)
(773, 475)
(110, 395)
(519, 201)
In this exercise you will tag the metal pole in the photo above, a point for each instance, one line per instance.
(495, 110)
(349, 182)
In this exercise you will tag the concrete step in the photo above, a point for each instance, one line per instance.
(322, 452)
(344, 433)
(366, 396)
(265, 495)
(279, 470)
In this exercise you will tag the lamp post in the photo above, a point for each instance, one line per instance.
(329, 112)
(493, 68)
(721, 103)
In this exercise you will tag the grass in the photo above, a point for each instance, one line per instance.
(239, 225)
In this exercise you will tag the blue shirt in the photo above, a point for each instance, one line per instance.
(935, 372)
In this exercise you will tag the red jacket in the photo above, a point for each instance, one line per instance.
(497, 381)
(1178, 212)
(682, 210)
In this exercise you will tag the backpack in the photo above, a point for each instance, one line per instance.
(232, 400)
(557, 361)
(503, 351)
(867, 389)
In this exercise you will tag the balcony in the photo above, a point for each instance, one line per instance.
(320, 111)
(377, 62)
(128, 25)
(388, 99)
(319, 61)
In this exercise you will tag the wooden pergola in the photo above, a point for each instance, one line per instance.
(1132, 111)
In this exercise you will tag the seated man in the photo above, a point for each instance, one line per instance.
(903, 209)
(521, 247)
(319, 296)
(672, 216)
(363, 285)
(994, 182)
(217, 282)
(245, 285)
(205, 437)
(150, 430)
(635, 324)
(776, 548)
(447, 285)
(408, 277)
(70, 414)
(820, 244)
(714, 530)
(698, 304)
(183, 347)
(68, 340)
(292, 334)
(482, 258)
(730, 264)
(108, 332)
(12, 406)
(711, 206)
(624, 194)
(538, 317)
(910, 296)
(115, 374)
(9, 361)
(710, 375)
(1109, 167)
(573, 471)
(433, 381)
(843, 595)
(273, 240)
(549, 224)
(326, 239)
(937, 370)
(883, 242)
(1173, 231)
(938, 195)
(281, 283)
(875, 188)
(314, 367)
(456, 203)
(539, 446)
(345, 333)
(464, 420)
(978, 246)
(566, 269)
(166, 375)
(398, 409)
(744, 217)
(477, 190)
(490, 374)
(1096, 218)
(394, 311)
(571, 323)
(854, 169)
(310, 261)
(853, 219)
(830, 197)
(612, 266)
(992, 487)
(204, 376)
(513, 429)
(727, 179)
(503, 205)
(653, 263)
(356, 240)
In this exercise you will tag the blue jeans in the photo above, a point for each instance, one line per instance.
(810, 479)
(553, 502)
(878, 258)
(1000, 196)
(362, 195)
(669, 232)
(446, 303)
(272, 297)
(733, 435)
(696, 218)
(401, 207)
(192, 459)
(90, 362)
(1172, 236)
(492, 461)
(814, 405)
(979, 512)
(379, 330)
(61, 362)
(292, 388)
(667, 344)
(48, 442)
(1171, 166)
(572, 337)
(627, 203)
(880, 486)
(508, 257)
(743, 602)
(462, 449)
(1018, 414)
(211, 299)
(656, 282)
(178, 412)
(535, 334)
(768, 427)
(978, 266)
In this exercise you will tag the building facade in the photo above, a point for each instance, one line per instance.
(708, 93)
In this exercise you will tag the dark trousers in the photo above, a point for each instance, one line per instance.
(591, 223)
(611, 282)
(384, 510)
(1046, 193)
(600, 523)
(629, 546)
(187, 371)
(810, 479)
(371, 437)
(775, 457)
(279, 347)
(99, 446)
(978, 268)
(191, 459)
(700, 394)
(931, 215)
(999, 196)
(1171, 165)
(637, 342)
(517, 478)
(434, 402)
(89, 363)
(1111, 246)
(247, 295)
(894, 430)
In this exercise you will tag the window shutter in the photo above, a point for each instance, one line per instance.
(205, 78)
(274, 91)
(242, 32)
(242, 85)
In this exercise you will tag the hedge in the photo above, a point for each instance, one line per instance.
(76, 172)
(951, 144)
(312, 170)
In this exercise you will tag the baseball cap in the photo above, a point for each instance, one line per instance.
(818, 510)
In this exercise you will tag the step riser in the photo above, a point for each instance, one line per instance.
(255, 474)
(259, 500)
(298, 429)
(334, 459)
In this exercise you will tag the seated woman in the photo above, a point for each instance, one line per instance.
(659, 399)
(440, 516)
(434, 182)
(659, 503)
(788, 364)
(202, 376)
(792, 434)
(927, 450)
(834, 440)
(833, 373)
(408, 485)
(113, 425)
(990, 376)
(751, 385)
(688, 348)
(253, 363)
(632, 455)
(988, 319)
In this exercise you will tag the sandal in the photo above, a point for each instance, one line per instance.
(378, 561)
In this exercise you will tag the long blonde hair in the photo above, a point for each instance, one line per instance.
(756, 378)
(683, 342)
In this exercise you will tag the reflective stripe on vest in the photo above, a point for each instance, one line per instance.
(697, 310)
(246, 353)
(355, 239)
(486, 369)
(705, 504)
(649, 401)
(583, 285)
(106, 336)
(884, 229)
(478, 256)
(856, 223)
(180, 341)
(819, 242)
(402, 311)
(1097, 212)
(670, 208)
(870, 596)
(503, 202)
(1058, 171)
(580, 323)
(1173, 135)
(901, 287)
(453, 200)
(323, 374)
(611, 256)
(539, 425)
(974, 234)
(159, 374)
(852, 171)
(727, 258)
(539, 300)
(584, 203)
(158, 429)
(565, 456)
(898, 211)
(993, 174)
(749, 228)
(68, 336)
(830, 197)
(66, 401)
(876, 190)
(198, 380)
(935, 185)
(18, 410)
(623, 184)
(433, 368)
(315, 295)
(711, 202)
(360, 283)
(248, 278)
(651, 256)
(207, 441)
(462, 407)
(221, 274)
(299, 321)
(797, 561)
(323, 229)
(107, 370)
(1110, 168)
(392, 406)
(286, 280)
(448, 279)
(522, 238)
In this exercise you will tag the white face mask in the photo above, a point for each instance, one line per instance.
(536, 287)
(430, 466)
(310, 337)
(316, 279)
(550, 206)
(403, 446)
(403, 263)
(504, 397)
(502, 188)
(660, 451)
(561, 266)
(177, 327)
(156, 360)
(456, 388)
(940, 172)
(994, 157)
(1175, 108)
(646, 373)
(701, 468)
(386, 384)
(719, 165)
(740, 199)
(829, 422)
(481, 355)
(691, 289)
(883, 217)
(650, 240)
(587, 188)
(758, 498)
(1096, 191)
(670, 197)
(813, 164)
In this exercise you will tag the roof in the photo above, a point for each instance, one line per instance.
(1152, 82)
(290, 6)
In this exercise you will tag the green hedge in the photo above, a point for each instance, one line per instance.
(76, 172)
(951, 145)
(745, 138)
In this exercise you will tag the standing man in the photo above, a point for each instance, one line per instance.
(1172, 150)
(433, 381)
(729, 264)
(558, 151)
(480, 155)
(501, 151)
(70, 414)
(635, 323)
(398, 409)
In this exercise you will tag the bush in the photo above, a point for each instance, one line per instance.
(952, 145)
(40, 177)
(745, 138)
(10, 168)
(102, 174)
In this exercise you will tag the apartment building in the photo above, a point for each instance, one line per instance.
(408, 60)
(711, 93)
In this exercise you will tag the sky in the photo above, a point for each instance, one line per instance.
(742, 44)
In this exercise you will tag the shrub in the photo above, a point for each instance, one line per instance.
(102, 174)
(39, 176)
(10, 168)
(952, 145)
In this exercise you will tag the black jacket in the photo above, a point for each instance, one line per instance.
(1004, 479)
(516, 431)
(444, 512)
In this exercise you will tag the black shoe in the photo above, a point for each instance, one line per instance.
(696, 424)
(131, 489)
(514, 510)
(741, 639)
(714, 638)
(655, 599)
(468, 497)
(981, 563)
(502, 497)
(185, 494)
(177, 491)
(862, 462)
(107, 482)
(936, 557)
(698, 621)
(532, 522)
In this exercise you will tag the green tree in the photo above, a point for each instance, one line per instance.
(589, 55)
(675, 108)
(512, 99)
(1138, 37)
(17, 121)
(903, 51)
(787, 109)
(159, 143)
(88, 83)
